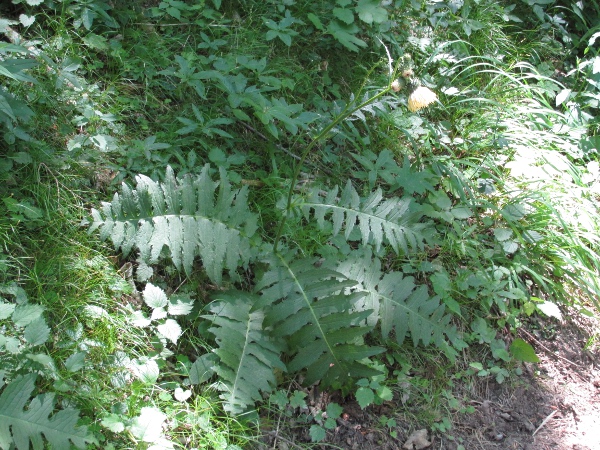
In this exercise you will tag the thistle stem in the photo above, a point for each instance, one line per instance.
(348, 111)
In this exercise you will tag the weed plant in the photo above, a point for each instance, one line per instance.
(284, 217)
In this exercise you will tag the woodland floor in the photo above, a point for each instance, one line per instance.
(555, 404)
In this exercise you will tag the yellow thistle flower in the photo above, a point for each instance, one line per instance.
(420, 98)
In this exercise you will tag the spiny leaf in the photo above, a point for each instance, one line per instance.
(248, 356)
(377, 218)
(399, 305)
(307, 306)
(28, 422)
(187, 217)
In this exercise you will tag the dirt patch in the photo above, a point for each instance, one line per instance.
(555, 405)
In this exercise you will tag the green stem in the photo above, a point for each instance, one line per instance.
(345, 113)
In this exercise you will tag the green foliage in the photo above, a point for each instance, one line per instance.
(185, 217)
(377, 217)
(248, 355)
(431, 232)
(306, 306)
(24, 419)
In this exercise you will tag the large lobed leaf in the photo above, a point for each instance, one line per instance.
(376, 217)
(399, 305)
(28, 422)
(248, 356)
(188, 217)
(309, 308)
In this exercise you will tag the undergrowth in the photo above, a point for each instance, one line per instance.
(208, 208)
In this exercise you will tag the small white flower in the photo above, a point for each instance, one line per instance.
(420, 98)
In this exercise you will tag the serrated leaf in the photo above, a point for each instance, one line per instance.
(248, 356)
(503, 234)
(307, 306)
(6, 309)
(203, 368)
(346, 35)
(139, 319)
(334, 410)
(510, 246)
(523, 351)
(317, 433)
(23, 420)
(376, 217)
(37, 332)
(154, 296)
(401, 306)
(365, 397)
(75, 362)
(113, 422)
(25, 314)
(344, 14)
(180, 305)
(145, 369)
(188, 217)
(170, 329)
(148, 425)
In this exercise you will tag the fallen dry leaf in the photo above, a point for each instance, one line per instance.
(417, 440)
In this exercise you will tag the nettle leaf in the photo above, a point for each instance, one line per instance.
(26, 313)
(154, 296)
(377, 218)
(37, 332)
(248, 356)
(185, 218)
(170, 329)
(22, 420)
(397, 304)
(307, 306)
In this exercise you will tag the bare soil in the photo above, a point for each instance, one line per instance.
(554, 405)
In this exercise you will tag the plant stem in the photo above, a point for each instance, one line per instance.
(344, 114)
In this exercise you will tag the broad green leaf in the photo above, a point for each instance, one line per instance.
(345, 15)
(75, 362)
(114, 423)
(154, 296)
(6, 309)
(523, 351)
(203, 368)
(180, 305)
(364, 396)
(145, 369)
(550, 309)
(170, 329)
(37, 332)
(317, 433)
(148, 425)
(26, 20)
(25, 314)
(346, 35)
(503, 234)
